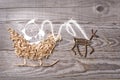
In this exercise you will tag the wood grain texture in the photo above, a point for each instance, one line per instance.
(101, 15)
(89, 11)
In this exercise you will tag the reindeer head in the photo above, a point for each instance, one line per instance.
(94, 34)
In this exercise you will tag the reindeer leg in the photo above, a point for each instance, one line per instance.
(73, 49)
(79, 50)
(92, 50)
(85, 51)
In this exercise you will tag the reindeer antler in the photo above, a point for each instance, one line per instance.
(96, 31)
(93, 31)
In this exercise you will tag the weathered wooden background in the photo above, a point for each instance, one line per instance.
(103, 15)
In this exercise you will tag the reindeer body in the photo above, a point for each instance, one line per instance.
(84, 42)
(81, 41)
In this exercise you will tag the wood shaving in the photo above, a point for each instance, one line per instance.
(32, 51)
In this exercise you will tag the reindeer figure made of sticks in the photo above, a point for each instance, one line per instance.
(84, 42)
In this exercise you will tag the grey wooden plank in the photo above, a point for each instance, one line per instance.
(102, 15)
(107, 41)
(82, 14)
(69, 67)
(53, 3)
(84, 11)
